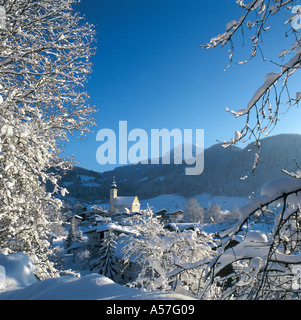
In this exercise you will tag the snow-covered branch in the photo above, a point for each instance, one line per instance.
(44, 66)
(273, 97)
(259, 260)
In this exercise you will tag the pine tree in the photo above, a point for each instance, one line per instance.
(107, 262)
(74, 236)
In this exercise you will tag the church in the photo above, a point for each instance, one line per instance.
(122, 204)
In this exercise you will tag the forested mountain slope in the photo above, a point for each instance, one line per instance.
(221, 176)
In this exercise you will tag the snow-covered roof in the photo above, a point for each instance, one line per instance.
(76, 246)
(97, 217)
(208, 228)
(113, 227)
(75, 216)
(183, 226)
(124, 201)
(108, 219)
(94, 216)
(52, 235)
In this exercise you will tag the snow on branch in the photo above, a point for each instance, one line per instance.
(44, 66)
(260, 263)
(273, 97)
(252, 263)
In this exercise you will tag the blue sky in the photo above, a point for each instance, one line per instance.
(150, 71)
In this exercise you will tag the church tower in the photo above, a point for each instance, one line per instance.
(113, 195)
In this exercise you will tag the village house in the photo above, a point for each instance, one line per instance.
(125, 273)
(97, 233)
(98, 220)
(122, 204)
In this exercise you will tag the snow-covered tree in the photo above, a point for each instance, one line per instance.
(44, 65)
(75, 235)
(215, 214)
(193, 211)
(147, 250)
(107, 263)
(164, 256)
(189, 247)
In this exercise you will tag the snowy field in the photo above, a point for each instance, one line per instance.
(17, 282)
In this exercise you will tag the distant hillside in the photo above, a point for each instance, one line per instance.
(221, 176)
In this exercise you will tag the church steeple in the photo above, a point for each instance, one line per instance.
(113, 195)
(114, 186)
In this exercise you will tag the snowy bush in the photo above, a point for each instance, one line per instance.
(83, 258)
(16, 271)
(214, 214)
(161, 255)
(193, 211)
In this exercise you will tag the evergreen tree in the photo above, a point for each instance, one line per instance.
(107, 262)
(74, 236)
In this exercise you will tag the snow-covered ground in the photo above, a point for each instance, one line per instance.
(17, 282)
(174, 202)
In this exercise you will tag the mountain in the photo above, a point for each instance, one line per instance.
(221, 176)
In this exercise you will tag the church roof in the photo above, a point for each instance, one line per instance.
(124, 201)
